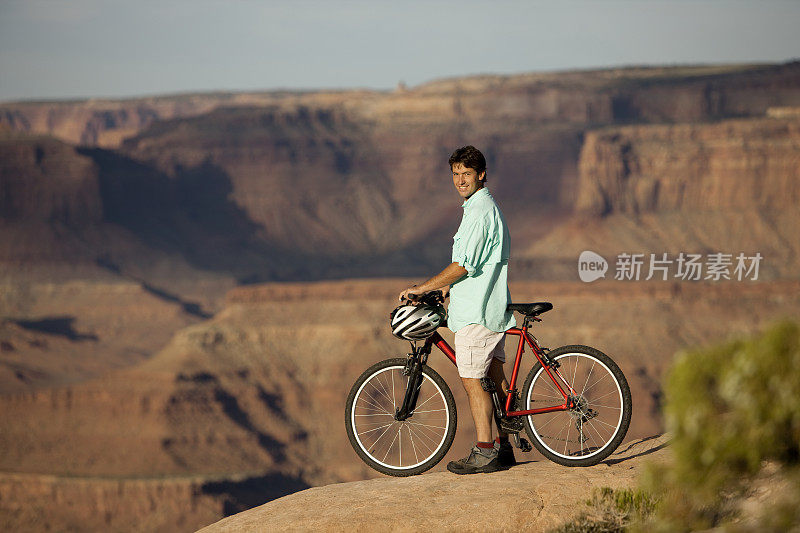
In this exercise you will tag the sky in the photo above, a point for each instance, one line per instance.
(64, 49)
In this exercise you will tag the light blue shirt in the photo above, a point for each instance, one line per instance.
(481, 245)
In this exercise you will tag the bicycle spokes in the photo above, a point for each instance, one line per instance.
(596, 410)
(392, 442)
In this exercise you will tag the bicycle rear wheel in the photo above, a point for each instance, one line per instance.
(399, 448)
(595, 427)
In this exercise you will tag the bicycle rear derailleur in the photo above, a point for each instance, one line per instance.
(581, 413)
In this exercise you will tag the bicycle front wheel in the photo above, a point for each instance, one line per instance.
(399, 448)
(599, 420)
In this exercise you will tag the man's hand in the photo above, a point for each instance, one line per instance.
(412, 293)
(443, 280)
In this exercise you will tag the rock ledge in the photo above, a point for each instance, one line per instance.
(533, 496)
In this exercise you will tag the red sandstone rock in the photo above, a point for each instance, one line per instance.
(533, 496)
(729, 165)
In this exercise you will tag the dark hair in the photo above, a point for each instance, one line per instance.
(470, 157)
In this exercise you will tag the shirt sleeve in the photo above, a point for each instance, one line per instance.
(473, 245)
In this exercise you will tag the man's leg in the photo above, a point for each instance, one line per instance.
(498, 376)
(473, 344)
(484, 456)
(500, 384)
(480, 403)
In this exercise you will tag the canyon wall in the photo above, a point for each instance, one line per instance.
(261, 386)
(106, 123)
(46, 503)
(723, 187)
(655, 94)
(123, 224)
(728, 165)
(42, 180)
(279, 186)
(257, 393)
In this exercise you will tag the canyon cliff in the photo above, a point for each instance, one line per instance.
(250, 187)
(724, 187)
(168, 344)
(250, 403)
(726, 165)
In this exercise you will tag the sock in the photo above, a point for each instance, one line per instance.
(485, 444)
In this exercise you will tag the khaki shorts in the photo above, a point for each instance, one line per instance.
(476, 346)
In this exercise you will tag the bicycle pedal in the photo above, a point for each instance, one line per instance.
(521, 443)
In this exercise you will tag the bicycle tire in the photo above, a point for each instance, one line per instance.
(370, 408)
(604, 431)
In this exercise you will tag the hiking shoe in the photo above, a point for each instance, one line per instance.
(479, 460)
(460, 462)
(505, 455)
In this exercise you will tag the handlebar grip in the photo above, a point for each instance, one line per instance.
(432, 297)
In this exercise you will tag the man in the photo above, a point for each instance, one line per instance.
(477, 313)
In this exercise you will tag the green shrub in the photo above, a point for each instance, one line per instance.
(731, 407)
(611, 511)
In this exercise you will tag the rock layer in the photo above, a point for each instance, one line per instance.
(655, 94)
(258, 391)
(727, 187)
(288, 186)
(45, 180)
(729, 165)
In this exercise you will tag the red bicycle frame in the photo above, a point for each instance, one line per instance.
(523, 335)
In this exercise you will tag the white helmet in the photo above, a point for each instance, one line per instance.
(416, 322)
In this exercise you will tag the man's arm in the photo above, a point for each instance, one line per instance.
(452, 273)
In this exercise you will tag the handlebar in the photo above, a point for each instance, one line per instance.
(429, 298)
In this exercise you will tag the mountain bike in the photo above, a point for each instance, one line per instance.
(575, 404)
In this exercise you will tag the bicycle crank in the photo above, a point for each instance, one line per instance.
(521, 443)
(511, 425)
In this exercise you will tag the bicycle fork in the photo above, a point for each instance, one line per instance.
(413, 370)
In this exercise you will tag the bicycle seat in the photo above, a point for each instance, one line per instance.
(533, 309)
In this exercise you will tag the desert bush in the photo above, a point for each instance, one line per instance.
(611, 511)
(729, 408)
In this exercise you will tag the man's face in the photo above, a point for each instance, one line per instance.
(467, 180)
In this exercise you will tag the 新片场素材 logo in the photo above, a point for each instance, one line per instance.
(591, 266)
(684, 266)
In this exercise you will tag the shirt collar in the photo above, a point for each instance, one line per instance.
(480, 192)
